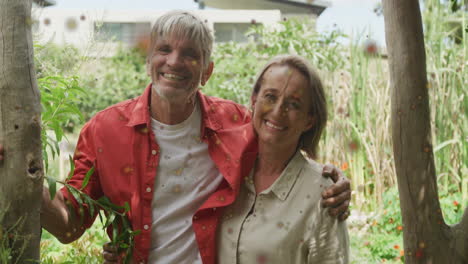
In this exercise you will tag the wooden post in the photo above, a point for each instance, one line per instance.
(21, 173)
(427, 239)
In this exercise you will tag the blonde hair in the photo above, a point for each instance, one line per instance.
(186, 25)
(309, 140)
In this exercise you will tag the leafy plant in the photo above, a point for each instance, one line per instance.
(11, 242)
(59, 99)
(59, 96)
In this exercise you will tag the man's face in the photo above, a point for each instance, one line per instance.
(176, 68)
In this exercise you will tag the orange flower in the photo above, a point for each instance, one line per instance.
(402, 253)
(396, 246)
(455, 203)
(344, 166)
(399, 228)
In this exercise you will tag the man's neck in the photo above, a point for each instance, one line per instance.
(171, 112)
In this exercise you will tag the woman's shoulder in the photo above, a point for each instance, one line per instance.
(313, 172)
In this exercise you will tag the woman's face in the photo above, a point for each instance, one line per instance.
(282, 107)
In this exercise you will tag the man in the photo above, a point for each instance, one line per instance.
(169, 153)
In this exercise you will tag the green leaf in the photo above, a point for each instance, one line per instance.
(76, 194)
(127, 207)
(100, 218)
(90, 202)
(445, 143)
(52, 187)
(104, 200)
(72, 167)
(110, 219)
(115, 233)
(87, 177)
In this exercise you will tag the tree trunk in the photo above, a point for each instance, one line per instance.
(21, 173)
(427, 239)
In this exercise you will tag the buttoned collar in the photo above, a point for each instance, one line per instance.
(285, 182)
(141, 112)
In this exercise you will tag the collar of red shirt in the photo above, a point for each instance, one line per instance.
(141, 113)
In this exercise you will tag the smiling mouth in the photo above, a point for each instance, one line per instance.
(268, 124)
(173, 77)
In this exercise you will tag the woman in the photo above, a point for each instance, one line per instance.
(277, 217)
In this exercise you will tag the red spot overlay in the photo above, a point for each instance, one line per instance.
(455, 203)
(71, 24)
(142, 44)
(127, 169)
(370, 47)
(340, 110)
(396, 246)
(77, 154)
(261, 259)
(399, 228)
(230, 231)
(419, 253)
(353, 146)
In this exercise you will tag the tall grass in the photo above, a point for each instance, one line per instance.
(359, 135)
(446, 49)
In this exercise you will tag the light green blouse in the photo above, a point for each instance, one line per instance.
(285, 223)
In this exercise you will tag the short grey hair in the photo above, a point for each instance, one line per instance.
(309, 139)
(186, 25)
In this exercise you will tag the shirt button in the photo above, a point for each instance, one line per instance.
(154, 152)
(148, 189)
(146, 227)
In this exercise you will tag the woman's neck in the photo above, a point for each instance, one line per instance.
(270, 164)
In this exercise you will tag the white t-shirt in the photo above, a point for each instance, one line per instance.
(186, 177)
